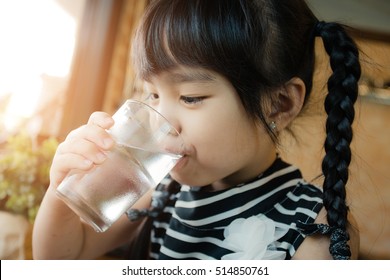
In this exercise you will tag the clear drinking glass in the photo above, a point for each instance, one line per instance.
(147, 148)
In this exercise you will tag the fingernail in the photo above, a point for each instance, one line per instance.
(108, 121)
(87, 163)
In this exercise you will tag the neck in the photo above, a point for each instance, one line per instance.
(244, 175)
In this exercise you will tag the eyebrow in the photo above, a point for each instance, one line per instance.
(193, 76)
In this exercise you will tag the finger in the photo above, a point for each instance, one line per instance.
(68, 161)
(101, 119)
(63, 163)
(92, 133)
(84, 148)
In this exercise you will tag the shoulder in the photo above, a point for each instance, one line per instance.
(317, 246)
(304, 199)
(308, 189)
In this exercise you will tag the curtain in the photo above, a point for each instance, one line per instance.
(121, 79)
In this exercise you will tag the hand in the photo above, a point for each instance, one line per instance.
(83, 148)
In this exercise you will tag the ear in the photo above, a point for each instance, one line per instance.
(287, 103)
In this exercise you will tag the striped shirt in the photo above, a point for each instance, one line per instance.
(192, 223)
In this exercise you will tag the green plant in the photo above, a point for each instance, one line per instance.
(24, 173)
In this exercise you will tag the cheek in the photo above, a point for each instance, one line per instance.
(221, 137)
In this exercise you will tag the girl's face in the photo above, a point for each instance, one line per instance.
(223, 146)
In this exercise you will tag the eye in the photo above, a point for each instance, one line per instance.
(192, 100)
(153, 96)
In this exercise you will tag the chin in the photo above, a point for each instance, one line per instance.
(189, 174)
(183, 180)
(192, 179)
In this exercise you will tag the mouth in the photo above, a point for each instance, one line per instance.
(180, 163)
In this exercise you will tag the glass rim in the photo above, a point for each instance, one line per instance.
(145, 105)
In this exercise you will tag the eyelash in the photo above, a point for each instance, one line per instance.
(190, 100)
(152, 96)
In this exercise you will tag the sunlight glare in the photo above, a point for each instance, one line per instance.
(37, 37)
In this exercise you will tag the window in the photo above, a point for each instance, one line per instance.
(37, 44)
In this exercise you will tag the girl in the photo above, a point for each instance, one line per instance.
(231, 75)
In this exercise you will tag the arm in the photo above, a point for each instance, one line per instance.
(316, 247)
(58, 232)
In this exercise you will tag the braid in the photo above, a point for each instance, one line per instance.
(339, 106)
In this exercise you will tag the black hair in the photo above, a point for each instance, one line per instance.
(259, 45)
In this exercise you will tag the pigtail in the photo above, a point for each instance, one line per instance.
(339, 106)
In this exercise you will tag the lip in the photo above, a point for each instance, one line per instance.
(181, 163)
(182, 151)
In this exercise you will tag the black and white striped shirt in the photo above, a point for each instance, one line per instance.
(192, 223)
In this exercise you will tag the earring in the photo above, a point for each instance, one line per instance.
(272, 126)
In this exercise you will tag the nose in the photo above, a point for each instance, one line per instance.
(169, 112)
(174, 142)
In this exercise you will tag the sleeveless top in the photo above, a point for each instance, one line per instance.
(192, 222)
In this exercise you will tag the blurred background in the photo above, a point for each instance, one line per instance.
(61, 60)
